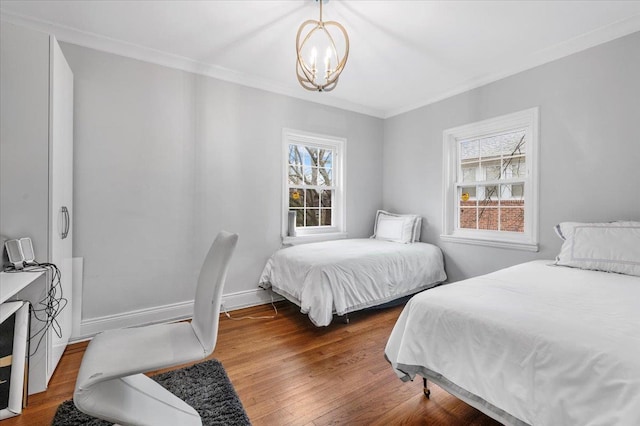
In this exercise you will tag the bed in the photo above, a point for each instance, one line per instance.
(541, 343)
(344, 276)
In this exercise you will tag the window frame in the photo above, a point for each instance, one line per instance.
(528, 240)
(317, 233)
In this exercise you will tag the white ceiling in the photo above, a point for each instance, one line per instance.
(404, 54)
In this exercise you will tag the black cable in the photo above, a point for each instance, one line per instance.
(51, 305)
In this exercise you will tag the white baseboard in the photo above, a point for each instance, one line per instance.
(167, 313)
(248, 298)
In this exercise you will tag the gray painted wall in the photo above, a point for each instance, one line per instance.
(589, 148)
(164, 159)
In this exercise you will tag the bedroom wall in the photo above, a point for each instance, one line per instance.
(164, 159)
(589, 149)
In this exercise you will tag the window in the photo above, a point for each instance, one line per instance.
(313, 184)
(490, 182)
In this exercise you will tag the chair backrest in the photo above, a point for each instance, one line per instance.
(206, 309)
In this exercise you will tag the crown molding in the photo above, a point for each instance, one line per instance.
(577, 44)
(145, 54)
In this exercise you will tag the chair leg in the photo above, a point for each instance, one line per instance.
(425, 389)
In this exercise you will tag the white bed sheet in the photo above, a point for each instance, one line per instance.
(549, 345)
(349, 275)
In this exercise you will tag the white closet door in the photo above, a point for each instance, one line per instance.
(61, 190)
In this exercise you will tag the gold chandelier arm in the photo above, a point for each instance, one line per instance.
(332, 76)
(346, 41)
(330, 86)
(309, 73)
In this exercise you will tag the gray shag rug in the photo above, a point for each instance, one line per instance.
(205, 386)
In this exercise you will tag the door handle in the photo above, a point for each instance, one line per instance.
(67, 222)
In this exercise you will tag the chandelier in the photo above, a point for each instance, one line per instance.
(321, 74)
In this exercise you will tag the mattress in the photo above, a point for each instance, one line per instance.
(343, 276)
(544, 344)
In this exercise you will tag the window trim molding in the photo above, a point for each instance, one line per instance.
(339, 229)
(528, 240)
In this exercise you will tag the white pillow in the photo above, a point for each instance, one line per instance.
(398, 229)
(609, 247)
(402, 228)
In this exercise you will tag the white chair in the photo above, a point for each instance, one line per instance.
(110, 383)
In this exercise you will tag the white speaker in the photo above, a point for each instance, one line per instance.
(19, 252)
(14, 252)
(5, 257)
(27, 250)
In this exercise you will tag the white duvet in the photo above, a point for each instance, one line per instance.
(348, 275)
(550, 345)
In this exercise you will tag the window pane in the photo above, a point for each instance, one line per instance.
(492, 170)
(299, 218)
(517, 191)
(296, 197)
(312, 198)
(310, 175)
(512, 208)
(512, 192)
(312, 217)
(325, 176)
(467, 195)
(295, 154)
(325, 200)
(315, 176)
(514, 167)
(513, 143)
(325, 158)
(505, 192)
(488, 203)
(469, 150)
(512, 219)
(488, 218)
(488, 195)
(467, 206)
(468, 217)
(490, 147)
(469, 172)
(295, 175)
(311, 156)
(325, 217)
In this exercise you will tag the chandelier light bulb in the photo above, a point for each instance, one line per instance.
(314, 55)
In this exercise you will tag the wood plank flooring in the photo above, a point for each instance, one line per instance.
(288, 372)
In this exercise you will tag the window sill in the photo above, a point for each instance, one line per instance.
(313, 238)
(514, 245)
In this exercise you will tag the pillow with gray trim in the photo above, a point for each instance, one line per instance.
(609, 247)
(401, 228)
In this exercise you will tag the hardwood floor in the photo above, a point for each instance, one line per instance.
(288, 372)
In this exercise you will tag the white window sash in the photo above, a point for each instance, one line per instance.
(338, 204)
(452, 178)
